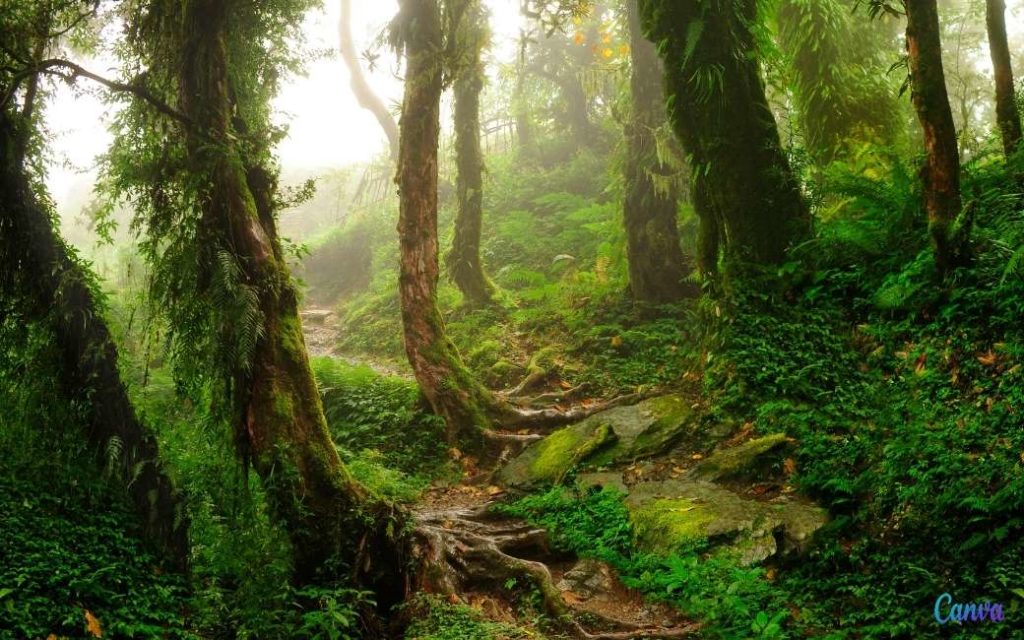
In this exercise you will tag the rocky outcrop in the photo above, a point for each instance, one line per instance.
(713, 492)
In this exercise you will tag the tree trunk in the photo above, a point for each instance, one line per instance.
(450, 388)
(360, 87)
(1007, 116)
(463, 261)
(336, 527)
(657, 268)
(53, 289)
(941, 172)
(718, 109)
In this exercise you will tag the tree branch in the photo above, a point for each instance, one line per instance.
(53, 66)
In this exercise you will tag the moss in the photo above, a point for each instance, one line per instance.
(291, 335)
(561, 451)
(666, 524)
(673, 419)
(736, 460)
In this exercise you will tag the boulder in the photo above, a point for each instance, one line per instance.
(547, 461)
(672, 514)
(620, 434)
(739, 460)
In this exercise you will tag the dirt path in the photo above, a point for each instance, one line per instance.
(490, 561)
(321, 328)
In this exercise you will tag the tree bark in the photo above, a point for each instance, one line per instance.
(719, 111)
(362, 90)
(337, 528)
(657, 268)
(941, 172)
(450, 388)
(52, 288)
(463, 261)
(1007, 116)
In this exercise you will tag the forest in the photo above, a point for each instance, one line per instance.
(511, 319)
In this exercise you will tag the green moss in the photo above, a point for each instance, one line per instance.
(738, 459)
(561, 451)
(665, 525)
(291, 335)
(283, 405)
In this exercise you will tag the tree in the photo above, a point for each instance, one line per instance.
(205, 193)
(450, 388)
(941, 172)
(657, 268)
(43, 281)
(463, 260)
(1007, 116)
(362, 90)
(745, 192)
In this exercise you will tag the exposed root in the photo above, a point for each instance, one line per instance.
(553, 396)
(535, 376)
(554, 417)
(464, 549)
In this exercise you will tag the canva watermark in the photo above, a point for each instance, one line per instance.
(946, 611)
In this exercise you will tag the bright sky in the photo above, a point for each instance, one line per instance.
(327, 128)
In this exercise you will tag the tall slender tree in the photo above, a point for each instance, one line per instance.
(449, 387)
(657, 268)
(941, 171)
(206, 196)
(1007, 116)
(364, 93)
(463, 261)
(747, 194)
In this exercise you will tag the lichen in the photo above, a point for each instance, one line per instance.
(665, 525)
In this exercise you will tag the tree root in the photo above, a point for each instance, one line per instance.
(511, 416)
(460, 549)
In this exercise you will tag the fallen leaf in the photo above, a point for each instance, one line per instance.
(93, 625)
(789, 465)
(571, 598)
(616, 341)
(454, 453)
(988, 359)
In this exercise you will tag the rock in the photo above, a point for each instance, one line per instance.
(587, 579)
(724, 463)
(620, 434)
(602, 479)
(672, 514)
(548, 460)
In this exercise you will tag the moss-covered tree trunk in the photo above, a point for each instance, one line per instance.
(452, 391)
(657, 269)
(463, 261)
(1007, 116)
(941, 172)
(718, 109)
(332, 521)
(362, 90)
(50, 287)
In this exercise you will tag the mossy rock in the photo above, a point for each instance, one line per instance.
(673, 514)
(620, 434)
(548, 461)
(739, 460)
(647, 429)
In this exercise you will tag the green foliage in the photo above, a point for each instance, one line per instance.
(438, 620)
(382, 414)
(899, 391)
(70, 537)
